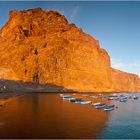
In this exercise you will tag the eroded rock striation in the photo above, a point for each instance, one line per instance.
(42, 47)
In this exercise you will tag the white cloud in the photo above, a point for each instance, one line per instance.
(128, 67)
(74, 12)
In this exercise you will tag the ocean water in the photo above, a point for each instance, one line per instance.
(48, 116)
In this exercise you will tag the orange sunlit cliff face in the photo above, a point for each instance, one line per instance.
(42, 47)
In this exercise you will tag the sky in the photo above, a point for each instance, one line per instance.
(115, 24)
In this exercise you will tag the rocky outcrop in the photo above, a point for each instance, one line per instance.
(42, 47)
(123, 81)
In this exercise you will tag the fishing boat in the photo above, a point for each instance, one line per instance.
(61, 95)
(101, 105)
(85, 102)
(79, 100)
(117, 98)
(66, 97)
(130, 97)
(104, 97)
(123, 99)
(94, 104)
(114, 95)
(135, 97)
(111, 98)
(73, 100)
(95, 97)
(109, 108)
(86, 95)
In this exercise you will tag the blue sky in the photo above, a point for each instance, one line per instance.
(115, 24)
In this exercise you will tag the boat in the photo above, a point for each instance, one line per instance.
(104, 97)
(109, 108)
(79, 100)
(114, 95)
(85, 102)
(66, 97)
(94, 104)
(111, 98)
(101, 105)
(135, 97)
(123, 99)
(117, 98)
(72, 100)
(61, 95)
(94, 96)
(130, 97)
(86, 95)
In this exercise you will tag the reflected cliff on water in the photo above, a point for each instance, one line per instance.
(48, 116)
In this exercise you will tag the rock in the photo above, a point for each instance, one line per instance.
(125, 82)
(42, 47)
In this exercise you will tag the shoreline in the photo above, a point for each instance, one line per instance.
(9, 94)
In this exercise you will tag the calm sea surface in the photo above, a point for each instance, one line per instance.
(48, 116)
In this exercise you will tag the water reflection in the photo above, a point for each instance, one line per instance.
(48, 116)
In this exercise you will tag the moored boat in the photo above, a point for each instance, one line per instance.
(135, 97)
(61, 95)
(109, 108)
(114, 95)
(94, 104)
(86, 95)
(123, 99)
(73, 100)
(94, 96)
(117, 98)
(111, 98)
(101, 105)
(104, 97)
(79, 100)
(85, 102)
(67, 97)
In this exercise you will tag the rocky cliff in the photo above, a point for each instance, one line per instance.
(42, 47)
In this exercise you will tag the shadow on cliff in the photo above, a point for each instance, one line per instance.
(31, 87)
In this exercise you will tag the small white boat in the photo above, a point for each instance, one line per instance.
(101, 105)
(94, 104)
(94, 96)
(86, 95)
(85, 102)
(61, 95)
(123, 99)
(109, 108)
(135, 97)
(111, 98)
(66, 97)
(78, 100)
(114, 95)
(72, 98)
